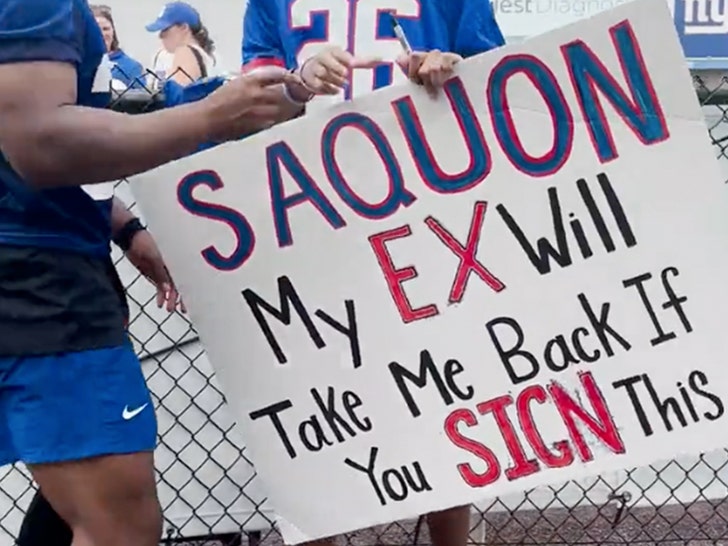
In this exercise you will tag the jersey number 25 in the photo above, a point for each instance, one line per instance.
(353, 25)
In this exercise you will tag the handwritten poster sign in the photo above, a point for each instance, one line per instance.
(414, 303)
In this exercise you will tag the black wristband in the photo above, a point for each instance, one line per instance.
(123, 237)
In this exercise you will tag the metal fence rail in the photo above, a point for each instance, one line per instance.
(210, 494)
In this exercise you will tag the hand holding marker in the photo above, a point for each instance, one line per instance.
(431, 69)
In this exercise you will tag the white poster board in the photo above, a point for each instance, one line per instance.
(521, 19)
(545, 267)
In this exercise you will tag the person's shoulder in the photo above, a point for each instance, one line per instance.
(53, 30)
(46, 19)
(186, 62)
(128, 59)
(184, 53)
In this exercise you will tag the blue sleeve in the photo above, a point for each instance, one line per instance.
(41, 30)
(136, 73)
(477, 30)
(129, 71)
(176, 94)
(262, 44)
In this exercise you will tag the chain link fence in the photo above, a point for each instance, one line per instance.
(210, 494)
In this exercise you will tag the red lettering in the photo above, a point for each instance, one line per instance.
(466, 254)
(602, 426)
(471, 477)
(395, 277)
(536, 393)
(522, 466)
(560, 454)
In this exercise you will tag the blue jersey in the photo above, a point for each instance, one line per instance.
(286, 32)
(65, 218)
(127, 70)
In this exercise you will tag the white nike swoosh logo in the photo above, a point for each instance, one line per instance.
(130, 414)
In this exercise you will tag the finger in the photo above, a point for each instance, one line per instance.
(329, 74)
(342, 56)
(335, 80)
(440, 68)
(172, 299)
(162, 291)
(366, 62)
(447, 68)
(182, 306)
(335, 66)
(292, 78)
(414, 64)
(452, 58)
(439, 75)
(430, 62)
(428, 84)
(323, 88)
(329, 89)
(402, 61)
(429, 71)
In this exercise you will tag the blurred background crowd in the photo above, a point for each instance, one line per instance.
(185, 52)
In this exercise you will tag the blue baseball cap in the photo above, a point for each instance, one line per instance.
(175, 13)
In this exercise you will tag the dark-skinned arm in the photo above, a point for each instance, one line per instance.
(51, 142)
(120, 215)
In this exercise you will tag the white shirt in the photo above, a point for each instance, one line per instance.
(163, 61)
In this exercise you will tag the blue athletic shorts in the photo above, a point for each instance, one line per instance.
(74, 406)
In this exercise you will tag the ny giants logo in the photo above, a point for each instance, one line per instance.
(701, 17)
